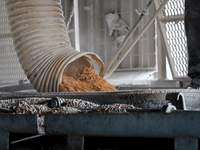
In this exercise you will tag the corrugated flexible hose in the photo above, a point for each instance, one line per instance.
(42, 43)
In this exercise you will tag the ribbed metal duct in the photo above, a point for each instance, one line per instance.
(42, 43)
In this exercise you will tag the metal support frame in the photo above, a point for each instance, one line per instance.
(4, 140)
(163, 34)
(76, 26)
(136, 39)
(10, 123)
(161, 22)
(147, 124)
(178, 125)
(182, 126)
(18, 123)
(128, 36)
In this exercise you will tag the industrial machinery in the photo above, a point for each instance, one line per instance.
(130, 118)
(171, 115)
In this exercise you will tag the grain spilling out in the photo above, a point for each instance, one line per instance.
(87, 80)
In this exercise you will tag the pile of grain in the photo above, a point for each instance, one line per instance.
(88, 80)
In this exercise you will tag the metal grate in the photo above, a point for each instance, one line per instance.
(4, 26)
(175, 35)
(10, 69)
(178, 47)
(174, 8)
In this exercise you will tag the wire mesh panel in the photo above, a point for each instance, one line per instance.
(4, 26)
(10, 69)
(177, 41)
(174, 7)
(175, 35)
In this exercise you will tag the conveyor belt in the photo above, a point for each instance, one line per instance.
(182, 124)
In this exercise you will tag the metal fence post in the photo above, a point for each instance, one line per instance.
(185, 143)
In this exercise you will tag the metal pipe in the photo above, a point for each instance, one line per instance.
(76, 25)
(25, 139)
(156, 43)
(136, 40)
(121, 46)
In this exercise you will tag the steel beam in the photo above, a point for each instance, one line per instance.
(128, 36)
(136, 39)
(176, 124)
(76, 26)
(164, 36)
(183, 143)
(18, 123)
